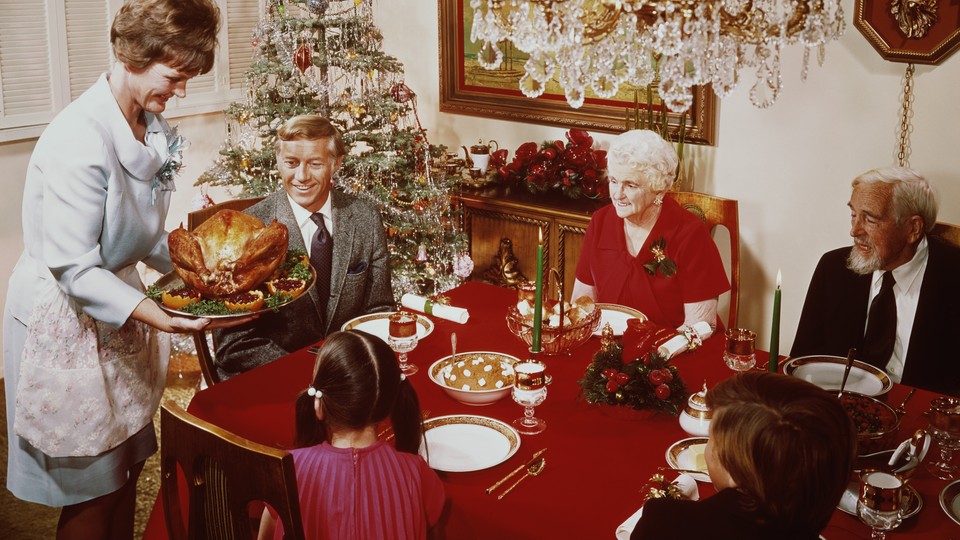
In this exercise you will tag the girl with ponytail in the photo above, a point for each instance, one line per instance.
(351, 484)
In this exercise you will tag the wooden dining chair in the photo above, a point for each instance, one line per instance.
(715, 211)
(194, 219)
(947, 231)
(224, 473)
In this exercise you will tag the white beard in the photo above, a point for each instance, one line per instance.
(860, 264)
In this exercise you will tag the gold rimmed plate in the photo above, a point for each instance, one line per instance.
(378, 324)
(950, 500)
(617, 316)
(465, 442)
(172, 280)
(683, 455)
(912, 500)
(827, 373)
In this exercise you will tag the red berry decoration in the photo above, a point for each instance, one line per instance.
(663, 391)
(656, 377)
(667, 375)
(612, 386)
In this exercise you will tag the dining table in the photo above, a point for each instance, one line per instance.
(598, 458)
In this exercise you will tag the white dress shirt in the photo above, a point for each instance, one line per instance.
(307, 227)
(906, 291)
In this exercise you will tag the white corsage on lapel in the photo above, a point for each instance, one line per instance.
(170, 147)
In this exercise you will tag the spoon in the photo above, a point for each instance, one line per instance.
(846, 370)
(534, 469)
(902, 409)
(453, 347)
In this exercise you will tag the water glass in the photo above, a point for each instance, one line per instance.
(529, 389)
(880, 504)
(945, 429)
(739, 352)
(402, 338)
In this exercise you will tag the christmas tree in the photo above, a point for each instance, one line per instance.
(324, 57)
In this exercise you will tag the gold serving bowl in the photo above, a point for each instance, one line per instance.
(555, 339)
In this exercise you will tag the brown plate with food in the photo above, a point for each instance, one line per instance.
(276, 294)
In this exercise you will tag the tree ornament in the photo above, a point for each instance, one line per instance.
(303, 58)
(318, 7)
(401, 93)
(421, 253)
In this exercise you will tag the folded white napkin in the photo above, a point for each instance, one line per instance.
(425, 305)
(688, 487)
(679, 343)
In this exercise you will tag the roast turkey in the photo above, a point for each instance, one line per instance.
(230, 252)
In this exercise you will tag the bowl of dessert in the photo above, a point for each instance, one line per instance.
(475, 378)
(876, 422)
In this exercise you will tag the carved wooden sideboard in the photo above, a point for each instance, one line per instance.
(494, 214)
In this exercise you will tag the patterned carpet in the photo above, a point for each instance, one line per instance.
(21, 520)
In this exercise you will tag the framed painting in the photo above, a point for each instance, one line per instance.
(467, 88)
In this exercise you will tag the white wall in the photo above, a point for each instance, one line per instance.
(790, 166)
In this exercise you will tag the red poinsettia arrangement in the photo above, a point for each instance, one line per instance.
(633, 374)
(574, 168)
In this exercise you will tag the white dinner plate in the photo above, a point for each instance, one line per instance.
(827, 373)
(683, 455)
(465, 442)
(617, 316)
(378, 324)
(950, 500)
(848, 501)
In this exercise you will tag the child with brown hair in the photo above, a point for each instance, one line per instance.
(351, 484)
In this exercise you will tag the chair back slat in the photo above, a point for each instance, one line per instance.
(194, 219)
(223, 474)
(715, 211)
(947, 231)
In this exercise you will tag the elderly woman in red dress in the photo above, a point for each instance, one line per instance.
(643, 250)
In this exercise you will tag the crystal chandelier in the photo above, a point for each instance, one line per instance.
(602, 44)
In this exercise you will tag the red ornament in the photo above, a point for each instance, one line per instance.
(667, 375)
(303, 58)
(656, 377)
(663, 391)
(615, 379)
(401, 93)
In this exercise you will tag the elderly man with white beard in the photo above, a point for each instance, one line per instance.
(894, 294)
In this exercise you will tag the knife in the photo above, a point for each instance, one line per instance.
(846, 370)
(515, 471)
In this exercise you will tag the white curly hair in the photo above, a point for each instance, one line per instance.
(642, 155)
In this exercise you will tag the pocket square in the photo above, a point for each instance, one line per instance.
(360, 267)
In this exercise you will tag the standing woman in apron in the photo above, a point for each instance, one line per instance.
(81, 361)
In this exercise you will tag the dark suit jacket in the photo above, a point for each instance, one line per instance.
(835, 314)
(359, 284)
(720, 517)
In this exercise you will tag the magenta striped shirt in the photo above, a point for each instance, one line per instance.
(365, 493)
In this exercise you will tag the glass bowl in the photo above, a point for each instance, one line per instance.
(877, 424)
(555, 339)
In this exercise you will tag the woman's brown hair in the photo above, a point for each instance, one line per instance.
(179, 33)
(787, 444)
(359, 380)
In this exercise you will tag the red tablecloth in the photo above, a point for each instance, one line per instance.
(598, 459)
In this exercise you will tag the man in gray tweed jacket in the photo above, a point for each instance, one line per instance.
(309, 152)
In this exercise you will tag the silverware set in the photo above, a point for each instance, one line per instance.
(534, 466)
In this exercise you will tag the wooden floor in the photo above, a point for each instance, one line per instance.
(21, 520)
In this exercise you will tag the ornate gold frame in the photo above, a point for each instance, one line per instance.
(899, 32)
(596, 114)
